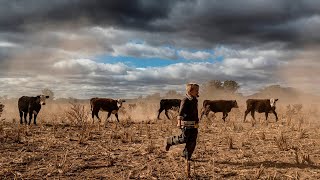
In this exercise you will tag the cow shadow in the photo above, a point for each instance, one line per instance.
(269, 164)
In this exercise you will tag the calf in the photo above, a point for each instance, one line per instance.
(105, 104)
(223, 106)
(31, 105)
(261, 106)
(166, 104)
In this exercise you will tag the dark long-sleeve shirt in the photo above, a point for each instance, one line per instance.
(189, 109)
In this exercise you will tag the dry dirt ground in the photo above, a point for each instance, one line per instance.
(65, 145)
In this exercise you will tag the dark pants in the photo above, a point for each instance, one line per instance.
(188, 136)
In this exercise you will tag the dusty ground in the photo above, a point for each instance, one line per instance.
(66, 145)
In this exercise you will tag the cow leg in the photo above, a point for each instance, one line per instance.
(266, 113)
(245, 115)
(116, 114)
(34, 119)
(204, 111)
(95, 112)
(252, 114)
(275, 114)
(30, 117)
(166, 112)
(109, 114)
(160, 110)
(92, 112)
(92, 117)
(225, 114)
(21, 114)
(25, 117)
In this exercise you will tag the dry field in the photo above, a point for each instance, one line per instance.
(66, 145)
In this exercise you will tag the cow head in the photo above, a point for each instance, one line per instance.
(41, 99)
(119, 102)
(235, 104)
(273, 102)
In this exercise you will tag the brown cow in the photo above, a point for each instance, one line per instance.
(167, 104)
(31, 105)
(261, 106)
(223, 106)
(105, 104)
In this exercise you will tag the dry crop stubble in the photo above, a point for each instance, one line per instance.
(60, 147)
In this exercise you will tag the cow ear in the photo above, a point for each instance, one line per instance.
(47, 97)
(276, 99)
(38, 96)
(123, 100)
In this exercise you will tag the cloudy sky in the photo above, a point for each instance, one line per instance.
(127, 48)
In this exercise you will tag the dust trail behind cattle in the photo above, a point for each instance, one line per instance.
(143, 111)
(302, 73)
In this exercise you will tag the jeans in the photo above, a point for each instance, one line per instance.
(188, 136)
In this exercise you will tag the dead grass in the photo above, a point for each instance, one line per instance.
(66, 145)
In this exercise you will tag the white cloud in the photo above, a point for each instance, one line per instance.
(7, 44)
(198, 55)
(84, 77)
(144, 51)
(87, 66)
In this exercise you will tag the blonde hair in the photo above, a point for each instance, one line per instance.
(191, 86)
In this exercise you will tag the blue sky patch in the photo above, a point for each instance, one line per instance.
(149, 62)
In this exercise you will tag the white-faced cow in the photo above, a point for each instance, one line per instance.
(261, 106)
(223, 106)
(167, 104)
(105, 104)
(31, 105)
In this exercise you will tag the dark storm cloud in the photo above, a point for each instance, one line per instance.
(246, 21)
(56, 43)
(204, 22)
(17, 15)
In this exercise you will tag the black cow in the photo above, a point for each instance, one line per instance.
(261, 106)
(166, 104)
(223, 106)
(105, 104)
(31, 105)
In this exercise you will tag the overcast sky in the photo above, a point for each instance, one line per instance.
(127, 48)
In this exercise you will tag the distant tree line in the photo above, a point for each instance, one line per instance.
(227, 86)
(209, 89)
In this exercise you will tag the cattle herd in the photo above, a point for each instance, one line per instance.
(253, 105)
(32, 105)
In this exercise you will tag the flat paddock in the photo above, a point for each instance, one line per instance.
(62, 147)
